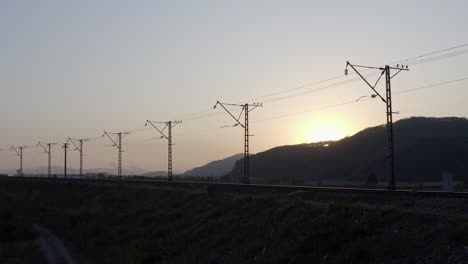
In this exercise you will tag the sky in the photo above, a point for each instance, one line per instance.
(79, 68)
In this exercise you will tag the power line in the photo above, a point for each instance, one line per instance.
(440, 57)
(431, 85)
(429, 54)
(421, 59)
(202, 114)
(356, 101)
(340, 76)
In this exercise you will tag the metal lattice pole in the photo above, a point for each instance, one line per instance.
(246, 146)
(389, 112)
(49, 163)
(81, 158)
(118, 144)
(48, 150)
(19, 153)
(169, 125)
(65, 147)
(245, 109)
(21, 161)
(169, 152)
(390, 147)
(79, 146)
(119, 136)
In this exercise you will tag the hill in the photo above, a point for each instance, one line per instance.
(424, 148)
(216, 168)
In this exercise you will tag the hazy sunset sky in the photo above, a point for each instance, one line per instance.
(77, 68)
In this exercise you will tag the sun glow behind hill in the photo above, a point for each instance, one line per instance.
(324, 128)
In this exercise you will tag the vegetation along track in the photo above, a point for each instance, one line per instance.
(112, 221)
(436, 200)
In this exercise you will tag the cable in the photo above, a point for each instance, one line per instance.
(440, 57)
(420, 60)
(337, 84)
(431, 85)
(195, 116)
(430, 54)
(339, 76)
(333, 106)
(138, 130)
(365, 99)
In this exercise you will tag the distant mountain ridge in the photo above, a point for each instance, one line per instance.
(424, 148)
(215, 168)
(58, 170)
(155, 174)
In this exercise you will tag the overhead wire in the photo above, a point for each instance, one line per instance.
(365, 99)
(201, 114)
(420, 59)
(431, 53)
(335, 105)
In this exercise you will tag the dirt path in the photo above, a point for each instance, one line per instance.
(52, 247)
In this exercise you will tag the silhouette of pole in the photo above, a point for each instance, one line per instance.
(48, 150)
(245, 110)
(119, 169)
(169, 125)
(389, 112)
(118, 144)
(78, 144)
(169, 151)
(246, 146)
(19, 153)
(81, 158)
(65, 147)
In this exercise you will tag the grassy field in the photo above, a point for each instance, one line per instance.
(17, 240)
(104, 223)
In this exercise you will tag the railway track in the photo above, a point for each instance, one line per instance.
(253, 188)
(437, 201)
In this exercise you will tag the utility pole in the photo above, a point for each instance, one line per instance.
(48, 150)
(78, 144)
(65, 147)
(118, 144)
(169, 125)
(388, 102)
(19, 153)
(245, 110)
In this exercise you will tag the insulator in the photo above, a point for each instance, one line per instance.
(346, 72)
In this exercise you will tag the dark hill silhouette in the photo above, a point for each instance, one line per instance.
(424, 148)
(215, 168)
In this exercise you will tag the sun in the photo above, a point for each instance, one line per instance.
(325, 133)
(323, 129)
